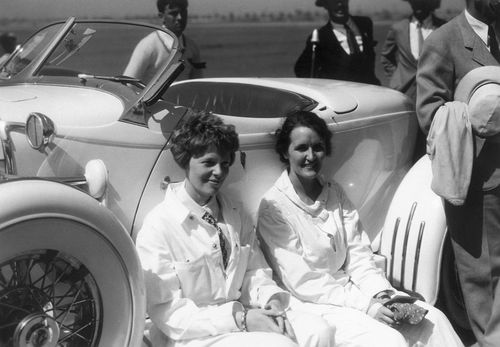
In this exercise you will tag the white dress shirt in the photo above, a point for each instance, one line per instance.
(340, 33)
(480, 28)
(189, 294)
(427, 28)
(318, 249)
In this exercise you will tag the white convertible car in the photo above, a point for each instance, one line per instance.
(84, 155)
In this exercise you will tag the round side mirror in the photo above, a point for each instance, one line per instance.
(39, 130)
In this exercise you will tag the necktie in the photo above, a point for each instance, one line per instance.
(420, 38)
(207, 217)
(351, 40)
(493, 43)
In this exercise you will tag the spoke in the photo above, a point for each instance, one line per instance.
(13, 279)
(28, 272)
(43, 282)
(34, 297)
(76, 332)
(48, 270)
(71, 305)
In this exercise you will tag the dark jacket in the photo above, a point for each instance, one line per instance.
(333, 62)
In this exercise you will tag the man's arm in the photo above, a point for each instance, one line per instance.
(303, 64)
(435, 79)
(388, 53)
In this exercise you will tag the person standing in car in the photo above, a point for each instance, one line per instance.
(153, 50)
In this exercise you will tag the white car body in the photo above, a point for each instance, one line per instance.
(123, 132)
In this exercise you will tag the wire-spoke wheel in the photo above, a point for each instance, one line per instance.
(48, 298)
(69, 272)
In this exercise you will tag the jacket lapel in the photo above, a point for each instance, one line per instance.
(328, 37)
(472, 42)
(405, 40)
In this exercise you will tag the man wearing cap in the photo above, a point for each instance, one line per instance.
(344, 48)
(457, 47)
(153, 50)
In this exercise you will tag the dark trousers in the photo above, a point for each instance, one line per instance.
(475, 232)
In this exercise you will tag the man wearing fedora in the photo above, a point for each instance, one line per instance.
(467, 42)
(343, 48)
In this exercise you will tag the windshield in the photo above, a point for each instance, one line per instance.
(32, 48)
(93, 50)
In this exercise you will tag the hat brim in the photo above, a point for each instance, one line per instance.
(473, 80)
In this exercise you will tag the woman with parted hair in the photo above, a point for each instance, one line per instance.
(313, 239)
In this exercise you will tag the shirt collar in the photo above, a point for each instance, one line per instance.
(480, 28)
(426, 23)
(286, 187)
(350, 23)
(185, 199)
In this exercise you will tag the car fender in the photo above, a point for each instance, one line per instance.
(414, 234)
(40, 214)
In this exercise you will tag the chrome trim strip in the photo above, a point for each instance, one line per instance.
(417, 255)
(405, 242)
(393, 248)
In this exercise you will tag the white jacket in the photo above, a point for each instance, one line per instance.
(319, 251)
(189, 295)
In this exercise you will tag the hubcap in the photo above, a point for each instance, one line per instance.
(37, 330)
(48, 299)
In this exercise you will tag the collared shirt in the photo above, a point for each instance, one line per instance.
(480, 28)
(189, 294)
(340, 32)
(318, 248)
(427, 28)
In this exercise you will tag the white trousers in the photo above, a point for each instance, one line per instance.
(311, 331)
(355, 328)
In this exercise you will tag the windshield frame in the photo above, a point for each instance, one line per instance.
(150, 93)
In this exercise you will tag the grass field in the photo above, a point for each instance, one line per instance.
(252, 49)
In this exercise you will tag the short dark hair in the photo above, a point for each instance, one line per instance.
(198, 133)
(162, 4)
(305, 119)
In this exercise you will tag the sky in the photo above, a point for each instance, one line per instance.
(38, 9)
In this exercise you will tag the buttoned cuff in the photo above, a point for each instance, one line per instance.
(375, 284)
(267, 293)
(283, 298)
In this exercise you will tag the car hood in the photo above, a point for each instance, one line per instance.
(65, 105)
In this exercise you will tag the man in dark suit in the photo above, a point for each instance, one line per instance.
(465, 43)
(402, 47)
(344, 48)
